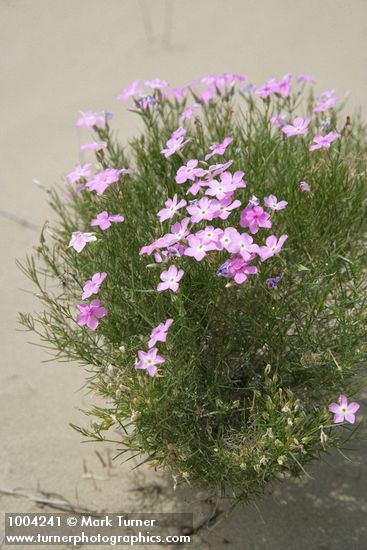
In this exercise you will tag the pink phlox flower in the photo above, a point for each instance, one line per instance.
(156, 83)
(219, 148)
(189, 171)
(304, 186)
(188, 113)
(239, 269)
(270, 87)
(159, 333)
(254, 201)
(179, 230)
(197, 248)
(202, 209)
(104, 220)
(180, 132)
(210, 237)
(224, 207)
(80, 171)
(278, 121)
(216, 169)
(79, 240)
(170, 279)
(298, 128)
(90, 314)
(242, 244)
(196, 187)
(255, 217)
(325, 105)
(344, 411)
(94, 146)
(272, 202)
(284, 85)
(148, 360)
(323, 142)
(272, 246)
(172, 206)
(174, 145)
(228, 238)
(92, 286)
(130, 91)
(306, 78)
(90, 119)
(101, 181)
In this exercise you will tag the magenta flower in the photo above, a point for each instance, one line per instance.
(149, 360)
(270, 87)
(172, 206)
(80, 171)
(255, 217)
(298, 128)
(189, 172)
(272, 246)
(104, 220)
(94, 146)
(130, 91)
(90, 119)
(203, 209)
(284, 85)
(159, 333)
(219, 148)
(272, 202)
(79, 240)
(101, 181)
(170, 279)
(90, 314)
(304, 187)
(239, 269)
(92, 285)
(324, 142)
(344, 411)
(156, 83)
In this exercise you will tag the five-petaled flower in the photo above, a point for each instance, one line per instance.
(80, 171)
(255, 217)
(324, 142)
(90, 314)
(170, 279)
(344, 410)
(272, 202)
(92, 286)
(148, 360)
(159, 333)
(298, 128)
(219, 148)
(172, 206)
(79, 240)
(272, 246)
(104, 220)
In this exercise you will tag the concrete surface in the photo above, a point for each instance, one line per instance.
(58, 57)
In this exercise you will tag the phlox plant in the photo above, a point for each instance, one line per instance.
(210, 275)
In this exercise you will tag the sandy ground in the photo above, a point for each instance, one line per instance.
(60, 56)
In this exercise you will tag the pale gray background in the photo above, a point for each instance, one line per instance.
(60, 56)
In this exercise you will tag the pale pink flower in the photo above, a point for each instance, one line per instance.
(270, 87)
(159, 333)
(94, 146)
(79, 240)
(197, 248)
(272, 202)
(284, 85)
(130, 91)
(306, 78)
(242, 244)
(179, 230)
(174, 145)
(104, 220)
(219, 148)
(92, 286)
(156, 84)
(304, 186)
(298, 128)
(278, 121)
(325, 105)
(172, 206)
(203, 209)
(239, 269)
(80, 171)
(90, 119)
(101, 181)
(188, 113)
(179, 93)
(211, 236)
(324, 142)
(223, 208)
(149, 360)
(90, 314)
(272, 246)
(344, 411)
(170, 279)
(216, 169)
(189, 171)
